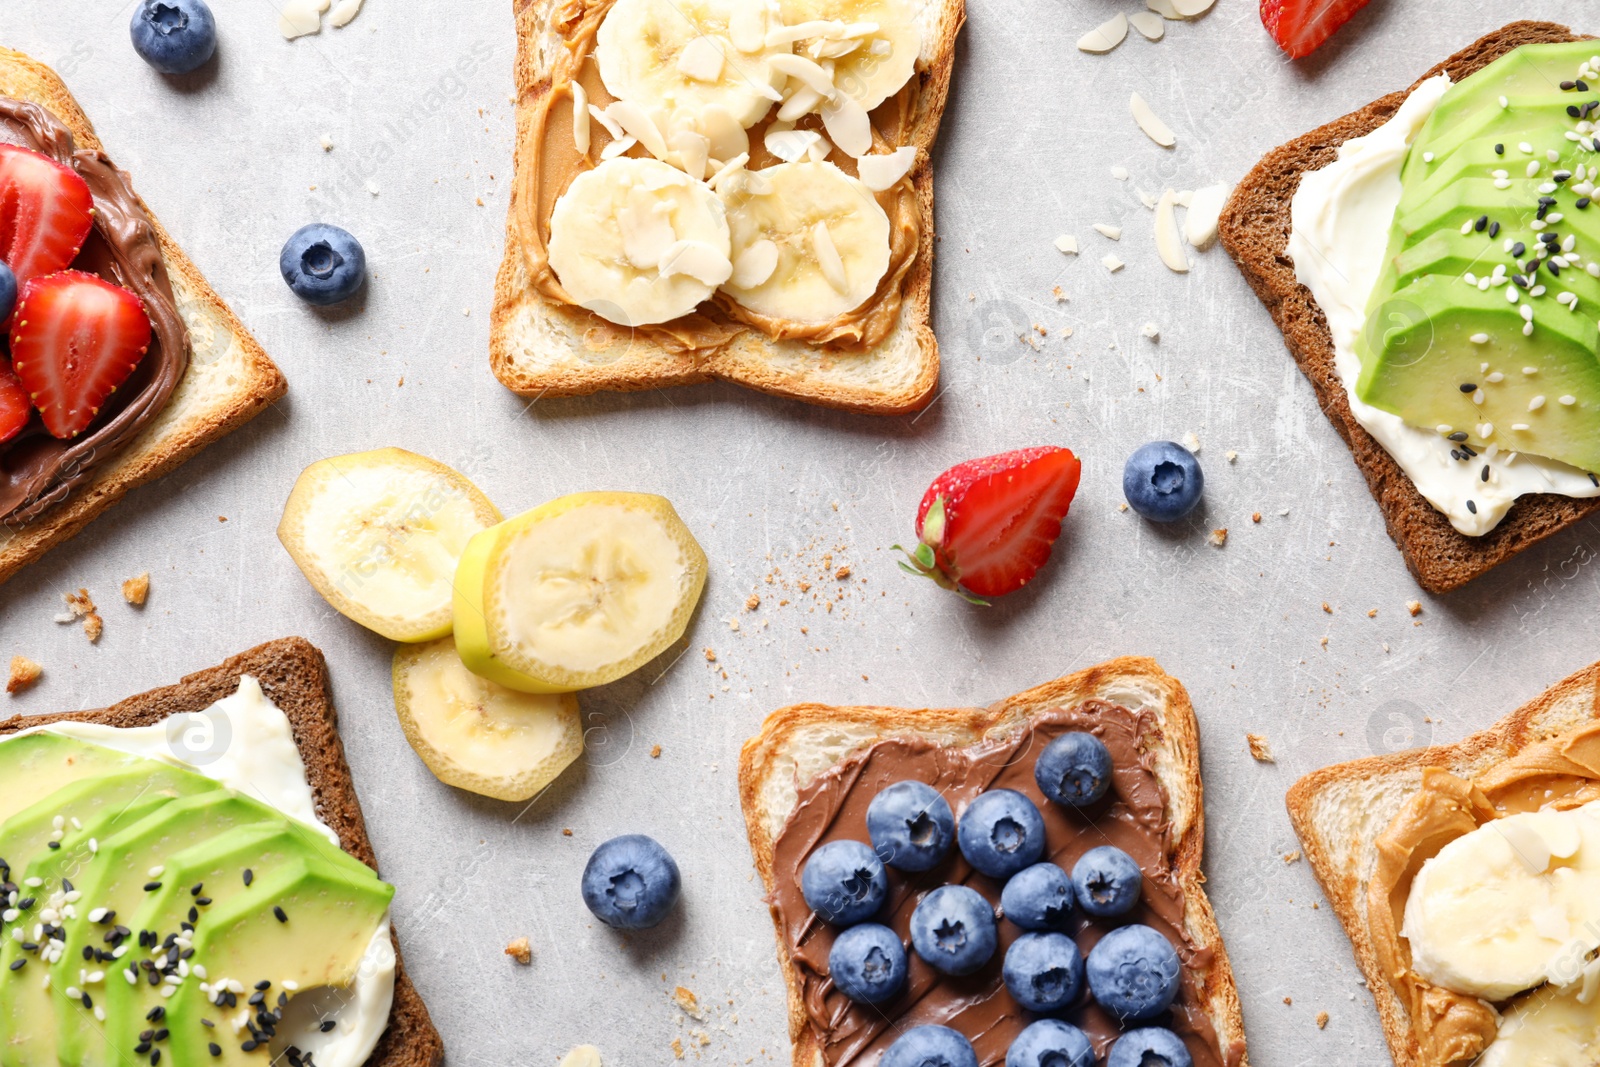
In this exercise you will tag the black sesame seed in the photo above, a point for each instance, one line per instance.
(1499, 149)
(1518, 248)
(263, 985)
(87, 1002)
(155, 1057)
(1581, 85)
(1550, 238)
(1572, 109)
(208, 1024)
(1459, 436)
(151, 887)
(203, 901)
(1468, 450)
(1472, 507)
(88, 952)
(1594, 479)
(1554, 269)
(196, 890)
(249, 876)
(54, 845)
(279, 912)
(1455, 454)
(157, 1013)
(16, 965)
(1560, 176)
(1568, 86)
(250, 1046)
(194, 915)
(1482, 223)
(215, 1049)
(327, 1025)
(1468, 387)
(142, 1047)
(1583, 202)
(1494, 229)
(257, 999)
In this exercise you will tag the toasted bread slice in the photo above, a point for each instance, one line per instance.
(539, 347)
(1255, 230)
(294, 676)
(798, 743)
(228, 382)
(1340, 812)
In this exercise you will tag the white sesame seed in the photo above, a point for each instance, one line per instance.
(133, 979)
(1536, 403)
(1479, 338)
(1486, 430)
(1496, 378)
(1502, 183)
(1507, 244)
(1570, 243)
(1478, 397)
(1552, 155)
(76, 824)
(1554, 217)
(1520, 427)
(1511, 295)
(1525, 147)
(1484, 283)
(168, 990)
(1466, 227)
(200, 970)
(1427, 157)
(1537, 290)
(1568, 400)
(1471, 278)
(156, 871)
(1569, 135)
(119, 952)
(1537, 224)
(1527, 329)
(95, 978)
(1445, 429)
(94, 846)
(33, 883)
(1504, 102)
(1530, 371)
(99, 1013)
(73, 992)
(1527, 313)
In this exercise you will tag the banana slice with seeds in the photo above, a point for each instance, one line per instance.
(577, 592)
(638, 241)
(379, 534)
(830, 236)
(477, 735)
(884, 53)
(681, 56)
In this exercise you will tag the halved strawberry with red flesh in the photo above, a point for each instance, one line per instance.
(988, 525)
(46, 212)
(1300, 26)
(75, 337)
(15, 407)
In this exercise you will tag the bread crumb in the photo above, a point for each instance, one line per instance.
(1219, 536)
(1291, 857)
(1191, 442)
(1373, 614)
(1322, 1020)
(701, 1038)
(81, 606)
(1061, 298)
(655, 751)
(566, 831)
(582, 1056)
(136, 590)
(1122, 507)
(520, 951)
(1260, 751)
(733, 624)
(1324, 642)
(711, 655)
(1415, 607)
(752, 602)
(24, 672)
(1327, 609)
(842, 573)
(1255, 517)
(688, 1002)
(1288, 1000)
(677, 1049)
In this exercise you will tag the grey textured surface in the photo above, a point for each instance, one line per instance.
(414, 97)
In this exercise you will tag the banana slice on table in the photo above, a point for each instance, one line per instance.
(638, 241)
(872, 44)
(477, 735)
(810, 246)
(379, 535)
(577, 592)
(681, 56)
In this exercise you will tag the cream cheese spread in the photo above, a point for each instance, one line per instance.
(244, 741)
(1340, 220)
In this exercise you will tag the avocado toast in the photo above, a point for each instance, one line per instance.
(1256, 230)
(172, 913)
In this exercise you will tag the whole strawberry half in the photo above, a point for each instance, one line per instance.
(75, 337)
(15, 408)
(986, 526)
(46, 212)
(1300, 26)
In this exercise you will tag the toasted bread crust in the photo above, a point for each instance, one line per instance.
(149, 456)
(1255, 230)
(749, 359)
(294, 677)
(1342, 863)
(769, 755)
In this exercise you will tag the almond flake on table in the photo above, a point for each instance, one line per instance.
(1158, 131)
(1205, 208)
(1120, 173)
(1105, 229)
(1151, 330)
(1168, 244)
(1111, 263)
(1067, 244)
(1148, 23)
(1191, 9)
(1191, 442)
(1163, 8)
(1106, 36)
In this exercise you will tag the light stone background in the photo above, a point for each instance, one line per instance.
(415, 98)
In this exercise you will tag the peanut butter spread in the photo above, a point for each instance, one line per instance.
(1559, 774)
(552, 161)
(1131, 816)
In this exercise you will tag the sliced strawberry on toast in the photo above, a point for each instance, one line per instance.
(46, 212)
(15, 407)
(1300, 26)
(986, 526)
(74, 338)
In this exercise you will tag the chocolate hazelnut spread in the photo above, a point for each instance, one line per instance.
(37, 470)
(553, 161)
(1557, 774)
(1131, 816)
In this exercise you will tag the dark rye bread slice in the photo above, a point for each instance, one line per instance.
(1255, 231)
(294, 676)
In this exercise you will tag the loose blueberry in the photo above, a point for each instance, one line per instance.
(930, 1046)
(1133, 973)
(1044, 972)
(1074, 769)
(844, 882)
(323, 264)
(1001, 832)
(868, 964)
(1152, 1046)
(1107, 881)
(1038, 898)
(1051, 1043)
(631, 882)
(953, 929)
(1162, 481)
(173, 36)
(8, 291)
(911, 825)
